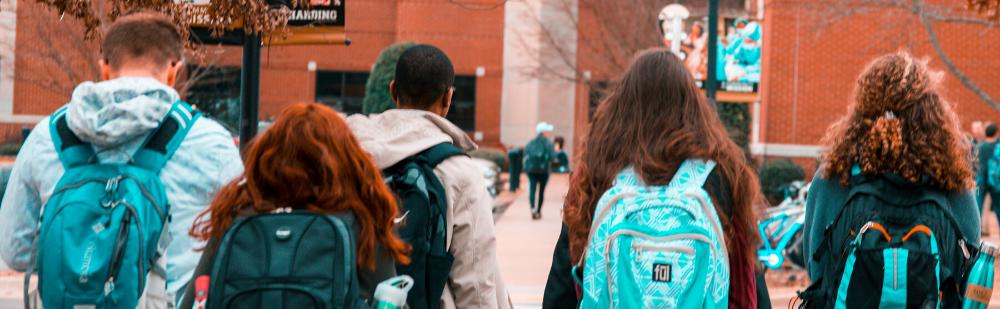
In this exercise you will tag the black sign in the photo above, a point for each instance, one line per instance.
(319, 13)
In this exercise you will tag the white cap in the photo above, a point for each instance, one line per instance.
(544, 127)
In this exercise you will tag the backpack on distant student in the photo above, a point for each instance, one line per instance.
(993, 169)
(104, 229)
(537, 156)
(894, 244)
(657, 246)
(286, 259)
(423, 210)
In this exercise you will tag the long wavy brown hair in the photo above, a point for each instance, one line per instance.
(309, 159)
(898, 123)
(654, 119)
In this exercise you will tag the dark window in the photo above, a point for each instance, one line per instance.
(598, 90)
(344, 91)
(216, 93)
(463, 104)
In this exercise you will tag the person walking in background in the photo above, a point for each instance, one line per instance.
(562, 158)
(985, 152)
(118, 120)
(896, 182)
(539, 154)
(654, 144)
(422, 90)
(515, 157)
(308, 160)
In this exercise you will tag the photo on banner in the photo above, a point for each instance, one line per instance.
(738, 56)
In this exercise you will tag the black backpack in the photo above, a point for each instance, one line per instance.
(423, 207)
(296, 259)
(894, 244)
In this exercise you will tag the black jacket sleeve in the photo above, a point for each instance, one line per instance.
(560, 289)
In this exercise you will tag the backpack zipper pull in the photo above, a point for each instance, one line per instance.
(109, 286)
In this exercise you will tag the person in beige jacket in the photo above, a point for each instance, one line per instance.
(422, 90)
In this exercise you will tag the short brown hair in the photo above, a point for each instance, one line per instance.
(144, 36)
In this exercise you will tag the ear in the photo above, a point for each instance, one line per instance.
(105, 69)
(392, 92)
(172, 71)
(446, 101)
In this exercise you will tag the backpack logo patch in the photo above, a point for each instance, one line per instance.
(661, 272)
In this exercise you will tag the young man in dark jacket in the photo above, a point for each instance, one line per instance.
(538, 156)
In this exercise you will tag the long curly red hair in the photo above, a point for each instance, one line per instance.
(309, 159)
(899, 123)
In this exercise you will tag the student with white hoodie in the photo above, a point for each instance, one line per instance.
(422, 90)
(142, 54)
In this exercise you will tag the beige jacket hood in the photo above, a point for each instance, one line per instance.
(397, 134)
(394, 135)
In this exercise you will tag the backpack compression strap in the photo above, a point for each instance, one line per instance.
(162, 144)
(72, 150)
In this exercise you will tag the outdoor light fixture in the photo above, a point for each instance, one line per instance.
(311, 66)
(480, 71)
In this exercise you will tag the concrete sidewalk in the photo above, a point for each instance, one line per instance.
(524, 246)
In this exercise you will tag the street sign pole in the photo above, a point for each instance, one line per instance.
(249, 89)
(711, 82)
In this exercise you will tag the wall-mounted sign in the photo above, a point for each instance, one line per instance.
(321, 23)
(738, 56)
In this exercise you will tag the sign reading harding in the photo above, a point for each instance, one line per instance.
(321, 23)
(319, 13)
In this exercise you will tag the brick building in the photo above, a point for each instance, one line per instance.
(46, 49)
(811, 71)
(811, 55)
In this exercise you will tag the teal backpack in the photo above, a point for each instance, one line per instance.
(656, 246)
(104, 227)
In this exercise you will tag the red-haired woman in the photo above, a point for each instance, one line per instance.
(308, 159)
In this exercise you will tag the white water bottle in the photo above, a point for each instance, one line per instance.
(391, 294)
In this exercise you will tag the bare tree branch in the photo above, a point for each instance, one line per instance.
(918, 8)
(926, 14)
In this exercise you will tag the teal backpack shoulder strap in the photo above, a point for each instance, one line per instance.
(162, 144)
(692, 174)
(440, 152)
(73, 151)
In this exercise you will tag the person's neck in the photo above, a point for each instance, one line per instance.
(433, 109)
(135, 73)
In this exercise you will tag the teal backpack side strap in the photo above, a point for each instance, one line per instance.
(692, 174)
(72, 151)
(162, 144)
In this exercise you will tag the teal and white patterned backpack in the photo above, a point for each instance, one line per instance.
(656, 246)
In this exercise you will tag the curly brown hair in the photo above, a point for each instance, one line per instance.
(898, 123)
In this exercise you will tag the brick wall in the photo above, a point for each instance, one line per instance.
(472, 38)
(810, 70)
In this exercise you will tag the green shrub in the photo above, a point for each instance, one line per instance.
(377, 97)
(9, 149)
(736, 118)
(498, 156)
(775, 174)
